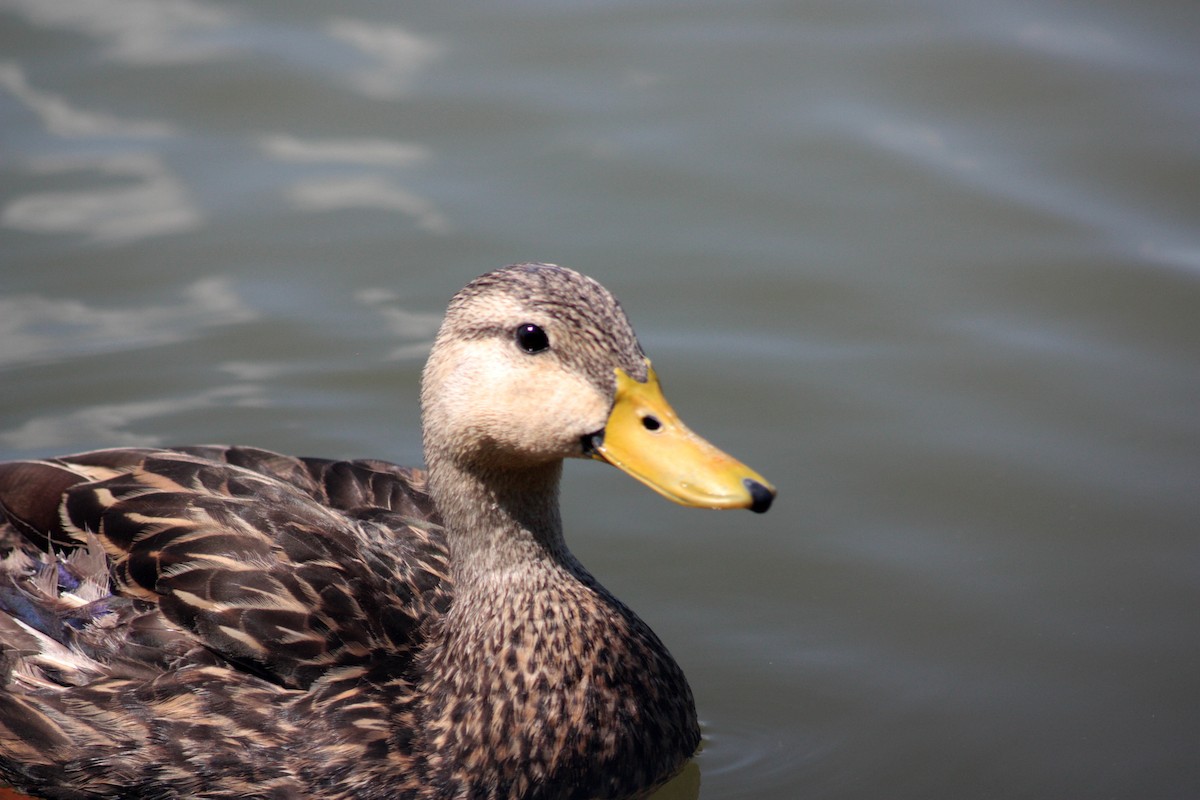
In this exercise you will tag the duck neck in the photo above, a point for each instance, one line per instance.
(539, 676)
(500, 521)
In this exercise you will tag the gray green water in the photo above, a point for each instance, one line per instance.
(932, 267)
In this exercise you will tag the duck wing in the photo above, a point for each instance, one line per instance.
(133, 560)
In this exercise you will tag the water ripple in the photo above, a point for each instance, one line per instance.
(41, 329)
(146, 199)
(398, 55)
(135, 31)
(62, 119)
(363, 152)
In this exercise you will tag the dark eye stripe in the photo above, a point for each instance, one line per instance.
(531, 338)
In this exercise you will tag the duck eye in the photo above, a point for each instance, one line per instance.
(531, 338)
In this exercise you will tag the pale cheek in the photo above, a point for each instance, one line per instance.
(572, 411)
(541, 412)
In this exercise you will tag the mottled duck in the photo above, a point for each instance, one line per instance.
(228, 622)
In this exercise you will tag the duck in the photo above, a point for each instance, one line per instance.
(228, 622)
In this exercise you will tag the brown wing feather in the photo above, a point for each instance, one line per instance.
(238, 547)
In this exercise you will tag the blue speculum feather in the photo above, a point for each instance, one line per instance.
(67, 580)
(27, 610)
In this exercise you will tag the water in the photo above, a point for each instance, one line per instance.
(932, 267)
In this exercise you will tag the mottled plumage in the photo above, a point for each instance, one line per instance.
(232, 623)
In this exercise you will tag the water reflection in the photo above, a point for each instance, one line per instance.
(368, 191)
(1088, 42)
(135, 31)
(684, 786)
(39, 329)
(145, 199)
(402, 324)
(367, 152)
(974, 160)
(397, 55)
(62, 119)
(118, 424)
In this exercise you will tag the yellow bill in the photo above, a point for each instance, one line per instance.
(645, 438)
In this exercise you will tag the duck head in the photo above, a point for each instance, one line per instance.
(535, 363)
